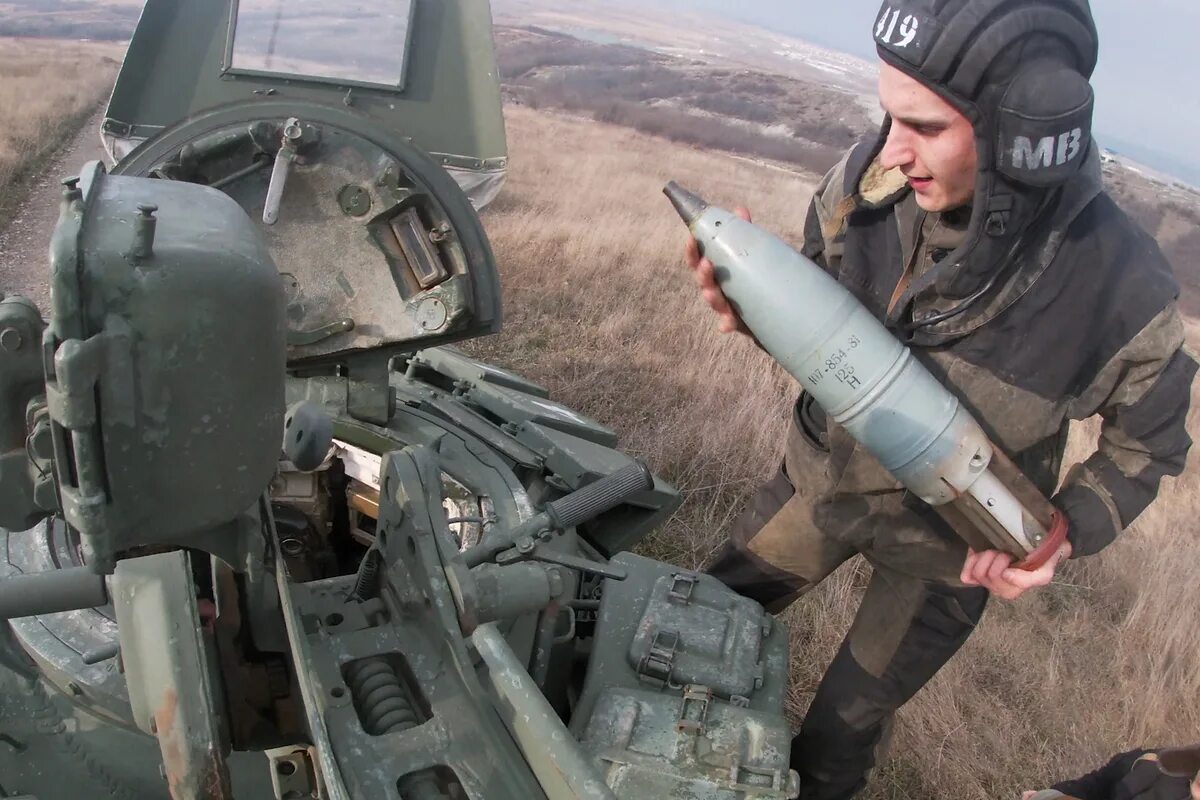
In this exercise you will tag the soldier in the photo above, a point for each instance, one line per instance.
(1136, 775)
(976, 226)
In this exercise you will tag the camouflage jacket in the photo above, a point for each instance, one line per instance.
(1136, 775)
(1086, 325)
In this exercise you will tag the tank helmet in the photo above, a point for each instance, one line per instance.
(1019, 71)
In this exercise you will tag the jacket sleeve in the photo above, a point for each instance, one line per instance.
(823, 227)
(1101, 784)
(1143, 395)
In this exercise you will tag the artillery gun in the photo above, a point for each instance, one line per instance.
(272, 535)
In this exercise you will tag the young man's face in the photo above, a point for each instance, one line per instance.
(930, 141)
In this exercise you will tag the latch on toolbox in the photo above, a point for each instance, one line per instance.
(693, 710)
(655, 667)
(681, 589)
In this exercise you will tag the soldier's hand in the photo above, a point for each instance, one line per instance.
(702, 271)
(993, 570)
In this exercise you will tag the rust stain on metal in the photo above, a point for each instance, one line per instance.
(208, 779)
(174, 762)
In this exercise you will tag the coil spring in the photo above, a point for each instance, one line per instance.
(366, 581)
(379, 696)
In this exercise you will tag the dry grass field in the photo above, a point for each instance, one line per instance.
(600, 309)
(49, 87)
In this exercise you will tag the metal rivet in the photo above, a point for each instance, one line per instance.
(991, 502)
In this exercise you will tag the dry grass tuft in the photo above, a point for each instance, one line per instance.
(49, 88)
(600, 309)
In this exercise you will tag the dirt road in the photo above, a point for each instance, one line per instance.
(24, 268)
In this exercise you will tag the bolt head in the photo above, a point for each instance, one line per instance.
(45, 496)
(41, 441)
(147, 209)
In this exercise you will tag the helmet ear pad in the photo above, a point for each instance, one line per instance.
(1044, 125)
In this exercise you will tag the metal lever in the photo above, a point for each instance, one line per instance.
(102, 653)
(547, 556)
(566, 512)
(51, 592)
(306, 338)
(292, 133)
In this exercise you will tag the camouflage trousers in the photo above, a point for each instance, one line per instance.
(826, 505)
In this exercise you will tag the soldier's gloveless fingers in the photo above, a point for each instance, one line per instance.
(979, 570)
(691, 253)
(713, 298)
(966, 575)
(999, 564)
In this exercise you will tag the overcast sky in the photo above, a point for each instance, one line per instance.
(1147, 83)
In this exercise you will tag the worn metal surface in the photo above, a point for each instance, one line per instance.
(67, 589)
(650, 744)
(170, 373)
(560, 765)
(341, 269)
(693, 632)
(20, 382)
(168, 339)
(171, 688)
(415, 629)
(51, 747)
(718, 636)
(295, 774)
(178, 66)
(58, 643)
(570, 459)
(684, 690)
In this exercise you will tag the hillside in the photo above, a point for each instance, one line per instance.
(702, 101)
(70, 19)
